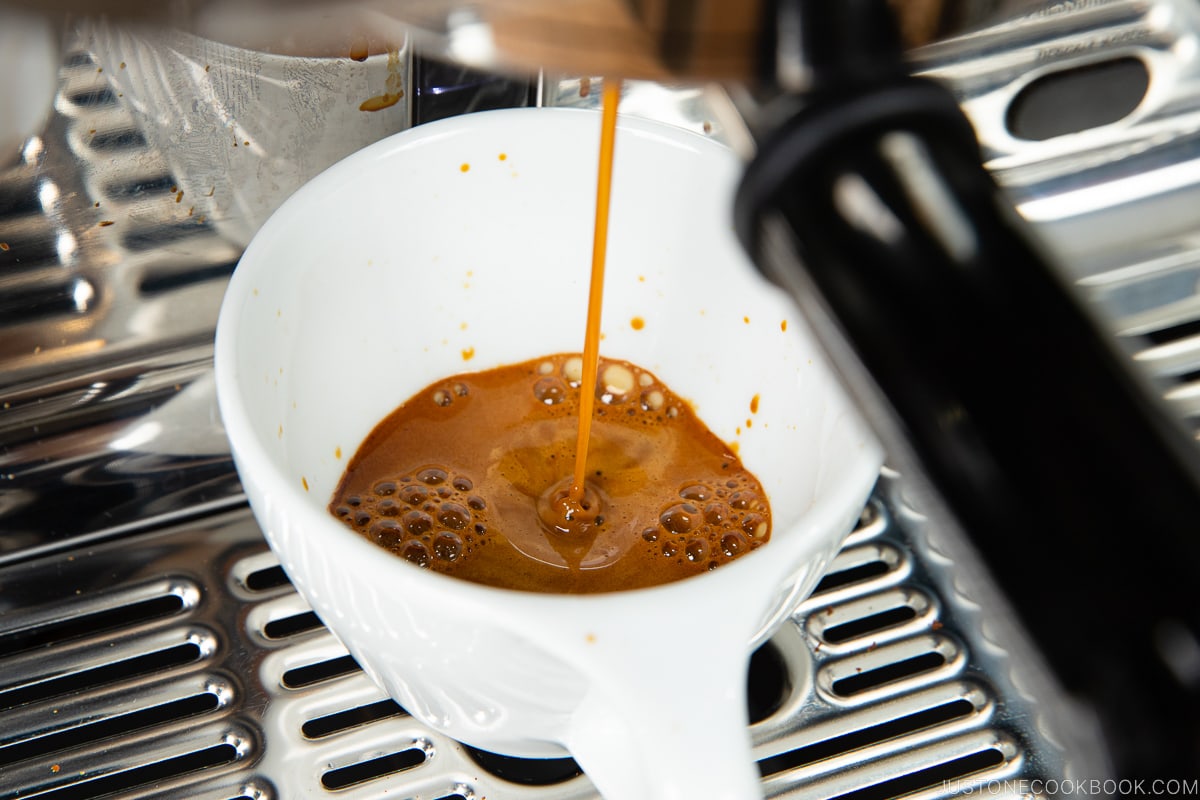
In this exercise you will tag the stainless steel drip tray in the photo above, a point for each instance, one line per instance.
(181, 663)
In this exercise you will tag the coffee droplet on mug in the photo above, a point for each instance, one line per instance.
(664, 499)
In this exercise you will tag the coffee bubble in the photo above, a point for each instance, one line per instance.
(462, 484)
(386, 532)
(617, 380)
(432, 476)
(414, 495)
(454, 516)
(550, 390)
(743, 500)
(476, 503)
(680, 518)
(573, 370)
(387, 508)
(415, 552)
(697, 492)
(696, 550)
(732, 544)
(447, 546)
(417, 522)
(653, 400)
(650, 534)
(755, 526)
(716, 513)
(385, 488)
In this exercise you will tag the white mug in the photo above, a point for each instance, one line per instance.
(465, 244)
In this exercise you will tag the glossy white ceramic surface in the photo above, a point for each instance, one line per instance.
(471, 237)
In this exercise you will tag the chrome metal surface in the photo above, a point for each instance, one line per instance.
(1118, 203)
(150, 647)
(179, 662)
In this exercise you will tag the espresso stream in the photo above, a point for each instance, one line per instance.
(561, 474)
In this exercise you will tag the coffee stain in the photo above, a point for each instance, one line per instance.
(637, 323)
(380, 102)
(754, 404)
(304, 482)
(783, 326)
(468, 353)
(393, 86)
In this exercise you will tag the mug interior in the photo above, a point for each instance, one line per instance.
(466, 244)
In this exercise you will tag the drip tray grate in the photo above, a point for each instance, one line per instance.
(218, 681)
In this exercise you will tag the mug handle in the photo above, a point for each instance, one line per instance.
(678, 729)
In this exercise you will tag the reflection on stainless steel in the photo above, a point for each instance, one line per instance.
(180, 663)
(681, 40)
(150, 647)
(99, 262)
(1118, 203)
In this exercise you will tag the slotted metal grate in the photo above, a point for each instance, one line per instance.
(184, 664)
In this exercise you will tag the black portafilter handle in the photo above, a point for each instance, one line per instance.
(1077, 487)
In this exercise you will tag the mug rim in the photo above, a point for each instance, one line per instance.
(278, 499)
